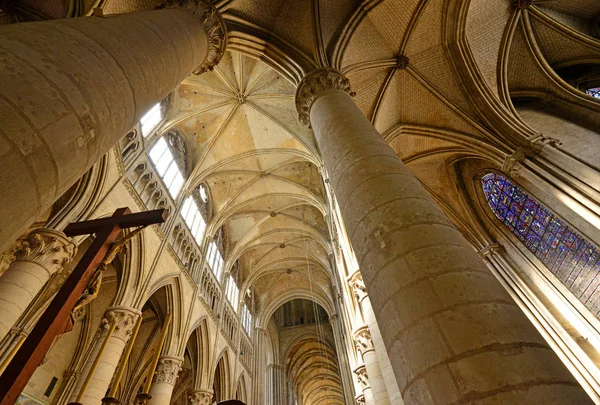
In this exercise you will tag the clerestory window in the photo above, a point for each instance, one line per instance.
(215, 260)
(247, 320)
(193, 219)
(166, 166)
(151, 119)
(563, 250)
(233, 292)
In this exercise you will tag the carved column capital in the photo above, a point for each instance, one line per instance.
(214, 25)
(49, 248)
(167, 370)
(363, 340)
(360, 399)
(358, 286)
(124, 317)
(362, 376)
(201, 397)
(313, 84)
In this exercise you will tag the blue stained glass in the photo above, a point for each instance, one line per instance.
(549, 238)
(516, 208)
(531, 206)
(519, 197)
(538, 227)
(501, 211)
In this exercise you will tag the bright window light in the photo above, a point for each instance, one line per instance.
(165, 164)
(193, 219)
(232, 292)
(203, 193)
(247, 320)
(215, 260)
(151, 119)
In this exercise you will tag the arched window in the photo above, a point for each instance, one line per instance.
(166, 166)
(151, 119)
(193, 218)
(247, 320)
(233, 292)
(549, 238)
(594, 92)
(215, 260)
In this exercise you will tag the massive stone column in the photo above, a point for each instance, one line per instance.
(41, 254)
(364, 343)
(116, 326)
(357, 284)
(164, 380)
(70, 89)
(452, 333)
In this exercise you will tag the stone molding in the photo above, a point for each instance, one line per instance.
(214, 25)
(313, 84)
(490, 250)
(49, 248)
(513, 163)
(168, 369)
(125, 319)
(201, 397)
(363, 340)
(358, 285)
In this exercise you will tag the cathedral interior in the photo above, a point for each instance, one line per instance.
(379, 202)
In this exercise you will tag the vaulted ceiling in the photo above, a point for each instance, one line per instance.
(449, 109)
(260, 167)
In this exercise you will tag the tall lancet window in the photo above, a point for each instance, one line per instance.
(564, 251)
(165, 155)
(594, 92)
(233, 292)
(151, 119)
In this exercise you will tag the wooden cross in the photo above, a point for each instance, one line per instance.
(57, 315)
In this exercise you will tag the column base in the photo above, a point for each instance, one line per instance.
(110, 401)
(142, 399)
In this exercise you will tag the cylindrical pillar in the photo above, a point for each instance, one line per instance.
(76, 86)
(102, 371)
(452, 333)
(356, 282)
(363, 379)
(164, 380)
(342, 353)
(201, 397)
(364, 343)
(41, 254)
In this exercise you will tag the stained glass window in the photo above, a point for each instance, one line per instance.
(595, 92)
(564, 251)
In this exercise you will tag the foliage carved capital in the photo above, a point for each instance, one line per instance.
(362, 376)
(124, 318)
(201, 397)
(168, 369)
(49, 248)
(358, 285)
(313, 84)
(363, 340)
(214, 25)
